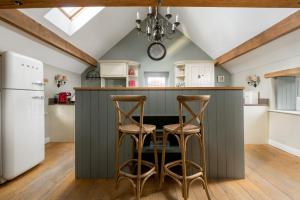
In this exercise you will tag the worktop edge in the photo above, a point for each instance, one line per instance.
(156, 88)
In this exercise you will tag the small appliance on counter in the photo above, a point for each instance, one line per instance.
(63, 97)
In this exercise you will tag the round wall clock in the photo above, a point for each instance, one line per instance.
(156, 51)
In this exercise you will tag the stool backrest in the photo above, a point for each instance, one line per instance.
(123, 116)
(198, 115)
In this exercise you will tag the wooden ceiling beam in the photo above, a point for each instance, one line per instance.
(284, 73)
(20, 21)
(8, 4)
(281, 28)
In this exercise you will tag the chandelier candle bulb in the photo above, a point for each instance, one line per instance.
(168, 11)
(148, 30)
(150, 10)
(138, 16)
(173, 27)
(177, 18)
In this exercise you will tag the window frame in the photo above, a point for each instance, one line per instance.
(73, 15)
(164, 74)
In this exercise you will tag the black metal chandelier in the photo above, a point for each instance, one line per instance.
(157, 28)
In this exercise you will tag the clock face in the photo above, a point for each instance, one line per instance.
(156, 51)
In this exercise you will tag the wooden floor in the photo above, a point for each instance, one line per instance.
(270, 174)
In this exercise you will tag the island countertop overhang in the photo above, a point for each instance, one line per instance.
(156, 88)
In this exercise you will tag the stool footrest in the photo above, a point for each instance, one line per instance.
(169, 172)
(133, 162)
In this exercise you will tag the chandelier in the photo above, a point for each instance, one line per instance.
(157, 28)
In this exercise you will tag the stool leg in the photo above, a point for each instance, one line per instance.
(155, 152)
(183, 160)
(140, 148)
(163, 156)
(203, 159)
(117, 152)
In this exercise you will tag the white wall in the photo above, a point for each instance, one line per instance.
(50, 91)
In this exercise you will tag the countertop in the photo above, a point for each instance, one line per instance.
(51, 102)
(156, 88)
(292, 112)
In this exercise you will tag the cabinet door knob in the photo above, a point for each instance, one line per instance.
(199, 76)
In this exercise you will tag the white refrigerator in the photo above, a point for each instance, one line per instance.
(22, 140)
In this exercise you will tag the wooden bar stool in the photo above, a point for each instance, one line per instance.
(183, 131)
(127, 126)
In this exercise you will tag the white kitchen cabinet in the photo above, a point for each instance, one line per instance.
(60, 123)
(256, 124)
(113, 69)
(194, 73)
(119, 73)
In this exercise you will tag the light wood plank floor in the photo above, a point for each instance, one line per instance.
(271, 174)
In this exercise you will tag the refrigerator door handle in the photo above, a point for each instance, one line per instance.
(38, 97)
(38, 83)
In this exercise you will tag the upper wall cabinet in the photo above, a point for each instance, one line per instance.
(194, 73)
(113, 69)
(119, 73)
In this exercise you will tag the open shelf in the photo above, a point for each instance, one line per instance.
(132, 76)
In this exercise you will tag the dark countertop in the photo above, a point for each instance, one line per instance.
(51, 101)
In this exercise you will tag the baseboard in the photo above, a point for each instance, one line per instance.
(2, 180)
(47, 140)
(284, 147)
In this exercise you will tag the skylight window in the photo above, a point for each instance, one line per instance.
(71, 19)
(71, 12)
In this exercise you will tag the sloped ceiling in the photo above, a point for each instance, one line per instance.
(215, 30)
(15, 40)
(218, 30)
(283, 53)
(101, 33)
(95, 38)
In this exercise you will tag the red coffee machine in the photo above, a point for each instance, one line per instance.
(63, 97)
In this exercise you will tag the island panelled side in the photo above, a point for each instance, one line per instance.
(95, 129)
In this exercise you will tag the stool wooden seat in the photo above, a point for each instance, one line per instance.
(127, 126)
(183, 132)
(188, 129)
(135, 129)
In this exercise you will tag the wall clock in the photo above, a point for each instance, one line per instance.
(156, 51)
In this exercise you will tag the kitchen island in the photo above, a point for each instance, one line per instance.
(95, 128)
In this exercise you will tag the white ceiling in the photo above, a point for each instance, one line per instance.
(218, 30)
(215, 30)
(280, 54)
(14, 40)
(100, 34)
